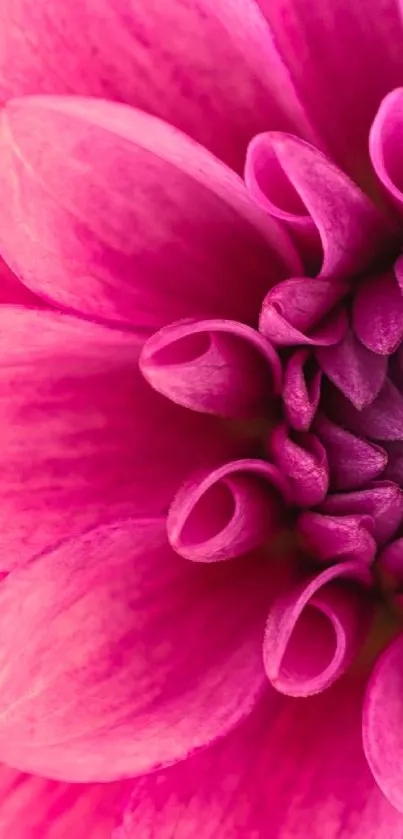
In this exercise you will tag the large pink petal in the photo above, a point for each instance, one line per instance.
(118, 656)
(210, 67)
(13, 291)
(35, 808)
(83, 435)
(331, 48)
(298, 773)
(117, 215)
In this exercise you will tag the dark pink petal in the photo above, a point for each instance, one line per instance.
(394, 469)
(385, 144)
(383, 723)
(382, 420)
(293, 769)
(330, 538)
(302, 459)
(382, 500)
(220, 367)
(117, 656)
(330, 48)
(83, 435)
(34, 808)
(217, 76)
(335, 225)
(314, 632)
(114, 214)
(227, 512)
(356, 371)
(378, 313)
(300, 311)
(390, 562)
(353, 462)
(301, 389)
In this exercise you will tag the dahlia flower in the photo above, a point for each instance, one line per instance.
(201, 413)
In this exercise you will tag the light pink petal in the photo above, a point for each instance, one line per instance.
(226, 512)
(390, 562)
(314, 632)
(13, 291)
(353, 462)
(382, 420)
(382, 500)
(378, 313)
(329, 538)
(354, 369)
(114, 214)
(217, 76)
(34, 808)
(83, 435)
(296, 773)
(301, 389)
(302, 459)
(330, 48)
(335, 226)
(219, 367)
(301, 311)
(382, 723)
(118, 656)
(385, 143)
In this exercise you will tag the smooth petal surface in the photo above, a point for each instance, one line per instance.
(301, 389)
(296, 312)
(295, 773)
(337, 228)
(220, 367)
(391, 562)
(224, 513)
(217, 76)
(355, 370)
(34, 808)
(301, 457)
(353, 462)
(382, 723)
(13, 291)
(118, 657)
(330, 538)
(382, 500)
(329, 48)
(114, 214)
(377, 313)
(314, 631)
(83, 435)
(385, 146)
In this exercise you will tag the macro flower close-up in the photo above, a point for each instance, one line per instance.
(201, 419)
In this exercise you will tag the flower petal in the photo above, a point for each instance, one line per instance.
(83, 435)
(356, 371)
(302, 459)
(329, 48)
(294, 769)
(378, 313)
(353, 462)
(217, 76)
(336, 226)
(300, 311)
(381, 420)
(222, 514)
(382, 723)
(390, 562)
(382, 500)
(120, 217)
(34, 808)
(214, 366)
(314, 631)
(385, 146)
(117, 656)
(331, 538)
(301, 389)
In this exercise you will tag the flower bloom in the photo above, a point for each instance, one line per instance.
(201, 418)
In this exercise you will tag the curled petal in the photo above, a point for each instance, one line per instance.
(302, 459)
(327, 211)
(354, 369)
(383, 723)
(330, 538)
(314, 632)
(300, 311)
(390, 562)
(118, 657)
(353, 462)
(218, 367)
(227, 512)
(117, 215)
(301, 389)
(377, 313)
(385, 145)
(382, 500)
(382, 420)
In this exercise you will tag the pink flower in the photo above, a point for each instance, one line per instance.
(201, 419)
